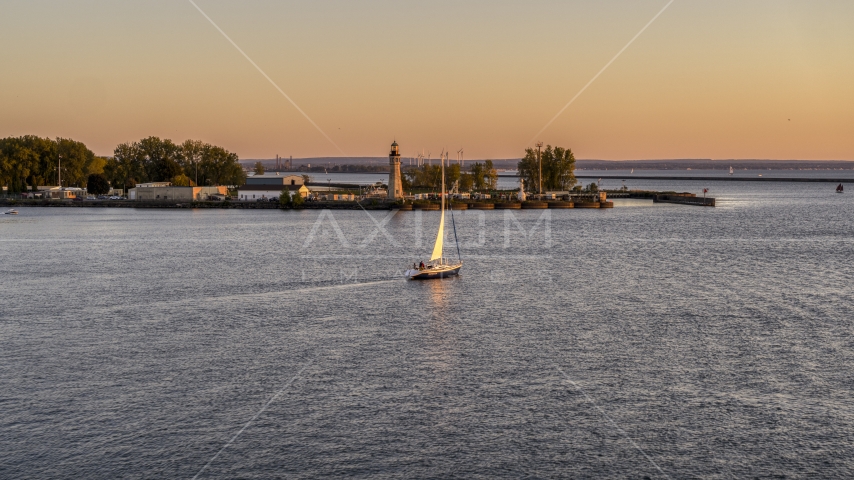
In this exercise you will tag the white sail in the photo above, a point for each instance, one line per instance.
(437, 248)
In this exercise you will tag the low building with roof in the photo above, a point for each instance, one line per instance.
(268, 192)
(57, 193)
(280, 180)
(167, 191)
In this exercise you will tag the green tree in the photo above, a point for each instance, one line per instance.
(452, 174)
(31, 160)
(259, 168)
(45, 170)
(477, 176)
(181, 180)
(297, 200)
(411, 176)
(97, 184)
(127, 167)
(218, 166)
(466, 182)
(160, 158)
(558, 169)
(425, 176)
(285, 199)
(96, 165)
(148, 160)
(191, 157)
(27, 160)
(17, 162)
(490, 175)
(75, 158)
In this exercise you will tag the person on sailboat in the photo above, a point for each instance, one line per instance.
(421, 266)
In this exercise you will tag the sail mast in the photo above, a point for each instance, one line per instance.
(437, 248)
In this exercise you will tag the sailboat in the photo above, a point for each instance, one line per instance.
(438, 266)
(839, 189)
(730, 170)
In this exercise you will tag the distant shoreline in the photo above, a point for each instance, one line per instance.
(587, 164)
(713, 179)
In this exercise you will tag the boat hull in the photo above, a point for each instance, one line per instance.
(430, 274)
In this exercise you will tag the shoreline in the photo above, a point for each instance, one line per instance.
(574, 201)
(708, 179)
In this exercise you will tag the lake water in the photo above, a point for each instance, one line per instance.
(647, 340)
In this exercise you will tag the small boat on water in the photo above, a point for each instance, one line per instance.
(438, 266)
(840, 189)
(11, 212)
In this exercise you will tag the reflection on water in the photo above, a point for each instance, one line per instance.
(440, 342)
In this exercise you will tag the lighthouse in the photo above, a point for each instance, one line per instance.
(395, 188)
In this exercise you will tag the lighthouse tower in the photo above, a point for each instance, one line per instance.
(395, 188)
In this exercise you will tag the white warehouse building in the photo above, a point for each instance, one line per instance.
(267, 192)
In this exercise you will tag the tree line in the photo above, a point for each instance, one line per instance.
(189, 164)
(479, 176)
(558, 173)
(31, 161)
(558, 169)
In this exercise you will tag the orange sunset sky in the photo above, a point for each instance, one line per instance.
(707, 79)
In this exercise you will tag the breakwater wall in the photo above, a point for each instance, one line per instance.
(367, 205)
(684, 200)
(717, 179)
(313, 205)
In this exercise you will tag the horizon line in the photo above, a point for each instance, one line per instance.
(584, 159)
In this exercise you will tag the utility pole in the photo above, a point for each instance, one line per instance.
(540, 161)
(59, 170)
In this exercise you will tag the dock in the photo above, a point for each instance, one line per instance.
(684, 200)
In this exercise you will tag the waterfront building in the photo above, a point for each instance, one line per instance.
(57, 193)
(395, 187)
(276, 179)
(166, 191)
(270, 191)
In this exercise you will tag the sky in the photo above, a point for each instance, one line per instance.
(717, 79)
